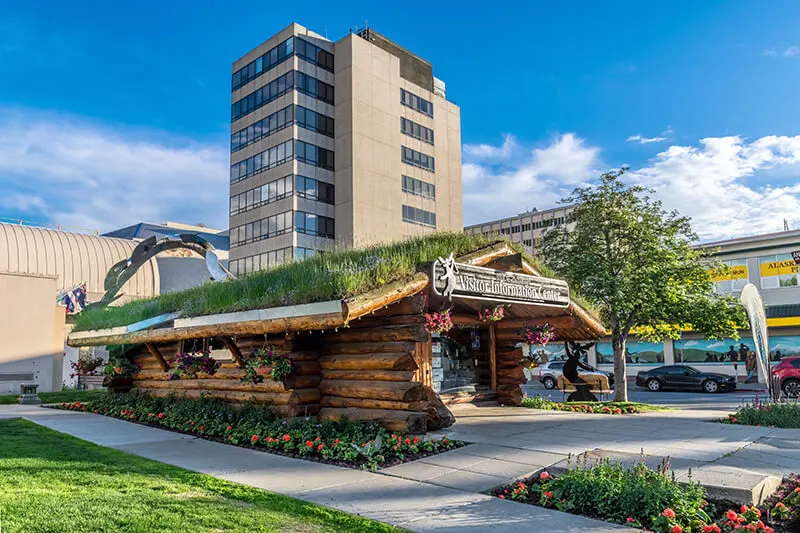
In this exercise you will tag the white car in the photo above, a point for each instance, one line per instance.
(548, 374)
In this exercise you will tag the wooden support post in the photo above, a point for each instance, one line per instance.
(159, 358)
(493, 356)
(235, 352)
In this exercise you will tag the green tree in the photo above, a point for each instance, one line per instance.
(635, 262)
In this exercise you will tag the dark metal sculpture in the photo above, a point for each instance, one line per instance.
(575, 351)
(149, 248)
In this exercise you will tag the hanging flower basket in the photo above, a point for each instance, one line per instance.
(267, 361)
(539, 335)
(493, 314)
(439, 321)
(188, 365)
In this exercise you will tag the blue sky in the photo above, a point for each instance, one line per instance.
(110, 113)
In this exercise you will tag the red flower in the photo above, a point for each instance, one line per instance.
(544, 475)
(201, 428)
(629, 520)
(708, 529)
(132, 417)
(407, 441)
(160, 415)
(797, 489)
(769, 530)
(731, 515)
(501, 496)
(319, 448)
(744, 508)
(669, 513)
(286, 438)
(416, 440)
(254, 439)
(716, 528)
(310, 443)
(547, 494)
(228, 428)
(676, 529)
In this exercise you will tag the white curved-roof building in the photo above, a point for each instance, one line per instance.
(73, 258)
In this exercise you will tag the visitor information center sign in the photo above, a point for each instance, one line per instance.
(451, 279)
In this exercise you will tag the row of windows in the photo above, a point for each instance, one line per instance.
(415, 102)
(277, 155)
(417, 159)
(265, 228)
(278, 87)
(265, 160)
(254, 263)
(279, 120)
(419, 188)
(314, 189)
(311, 120)
(263, 64)
(549, 222)
(282, 188)
(263, 128)
(269, 192)
(418, 131)
(304, 253)
(314, 88)
(311, 224)
(305, 50)
(413, 215)
(314, 54)
(314, 155)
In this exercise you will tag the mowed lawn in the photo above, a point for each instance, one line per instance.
(50, 482)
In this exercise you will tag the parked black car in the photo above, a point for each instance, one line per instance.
(682, 377)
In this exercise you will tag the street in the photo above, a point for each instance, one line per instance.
(681, 400)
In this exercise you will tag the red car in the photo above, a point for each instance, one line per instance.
(788, 373)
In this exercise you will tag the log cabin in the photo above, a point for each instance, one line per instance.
(367, 355)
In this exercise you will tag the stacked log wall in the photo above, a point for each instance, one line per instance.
(373, 371)
(509, 374)
(296, 395)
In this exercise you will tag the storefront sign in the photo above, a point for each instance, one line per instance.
(734, 272)
(451, 279)
(778, 268)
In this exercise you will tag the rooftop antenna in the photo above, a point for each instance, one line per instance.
(785, 225)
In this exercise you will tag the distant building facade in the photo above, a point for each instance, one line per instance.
(336, 144)
(526, 228)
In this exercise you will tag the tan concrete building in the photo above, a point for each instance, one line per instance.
(337, 144)
(526, 228)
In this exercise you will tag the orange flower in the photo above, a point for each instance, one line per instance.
(548, 494)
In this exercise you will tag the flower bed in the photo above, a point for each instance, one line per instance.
(345, 443)
(602, 408)
(778, 415)
(651, 499)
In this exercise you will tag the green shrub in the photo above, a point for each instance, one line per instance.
(779, 415)
(363, 444)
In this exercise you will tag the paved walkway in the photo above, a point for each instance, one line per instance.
(443, 493)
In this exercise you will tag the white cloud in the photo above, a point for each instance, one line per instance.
(525, 179)
(728, 186)
(86, 175)
(487, 151)
(769, 52)
(792, 51)
(645, 140)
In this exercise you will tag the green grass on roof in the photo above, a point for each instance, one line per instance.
(330, 276)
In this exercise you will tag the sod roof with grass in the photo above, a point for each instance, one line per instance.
(343, 276)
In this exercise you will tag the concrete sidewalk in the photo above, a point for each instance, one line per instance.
(446, 492)
(410, 504)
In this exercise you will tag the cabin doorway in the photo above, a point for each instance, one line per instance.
(461, 364)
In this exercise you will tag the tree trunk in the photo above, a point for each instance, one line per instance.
(620, 366)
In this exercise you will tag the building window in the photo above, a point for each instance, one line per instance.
(314, 88)
(526, 227)
(304, 253)
(313, 155)
(415, 102)
(417, 159)
(311, 120)
(419, 188)
(418, 131)
(261, 229)
(265, 160)
(312, 224)
(261, 261)
(528, 243)
(263, 64)
(270, 192)
(263, 128)
(514, 229)
(777, 271)
(313, 54)
(262, 96)
(314, 189)
(412, 215)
